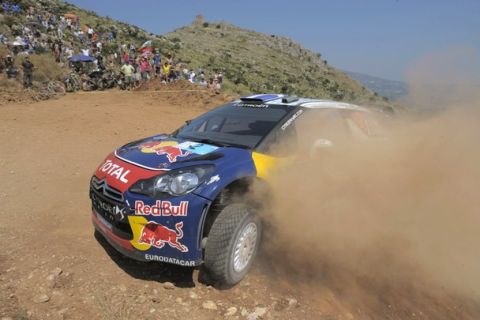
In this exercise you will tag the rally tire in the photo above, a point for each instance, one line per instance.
(226, 232)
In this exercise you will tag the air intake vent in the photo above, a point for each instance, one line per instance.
(289, 99)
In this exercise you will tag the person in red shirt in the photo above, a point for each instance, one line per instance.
(145, 69)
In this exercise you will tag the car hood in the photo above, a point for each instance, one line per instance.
(165, 152)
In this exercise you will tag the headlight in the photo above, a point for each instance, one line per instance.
(175, 183)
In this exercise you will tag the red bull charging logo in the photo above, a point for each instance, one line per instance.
(158, 235)
(168, 148)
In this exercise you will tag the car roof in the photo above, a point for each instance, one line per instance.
(283, 99)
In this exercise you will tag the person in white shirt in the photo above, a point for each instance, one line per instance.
(90, 32)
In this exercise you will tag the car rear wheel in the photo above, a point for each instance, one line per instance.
(232, 244)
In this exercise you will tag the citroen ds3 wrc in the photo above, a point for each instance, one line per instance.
(177, 198)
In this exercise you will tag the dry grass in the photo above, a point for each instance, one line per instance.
(46, 69)
(9, 84)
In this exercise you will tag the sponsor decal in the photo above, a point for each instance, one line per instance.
(213, 179)
(169, 148)
(158, 235)
(251, 105)
(115, 171)
(161, 208)
(290, 121)
(197, 147)
(110, 209)
(151, 257)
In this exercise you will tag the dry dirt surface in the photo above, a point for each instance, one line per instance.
(53, 267)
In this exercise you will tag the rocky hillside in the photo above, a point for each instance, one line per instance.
(257, 62)
(251, 62)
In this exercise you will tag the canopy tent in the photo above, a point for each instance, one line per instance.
(81, 58)
(17, 43)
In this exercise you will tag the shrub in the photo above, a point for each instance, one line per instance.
(46, 69)
(205, 24)
(109, 48)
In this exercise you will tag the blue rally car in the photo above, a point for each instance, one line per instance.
(177, 198)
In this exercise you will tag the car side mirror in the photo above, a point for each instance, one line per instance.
(319, 145)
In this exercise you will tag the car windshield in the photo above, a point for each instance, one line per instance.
(236, 124)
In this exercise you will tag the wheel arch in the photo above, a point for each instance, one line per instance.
(230, 193)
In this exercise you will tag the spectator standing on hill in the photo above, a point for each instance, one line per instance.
(176, 72)
(133, 49)
(27, 73)
(157, 63)
(15, 9)
(111, 60)
(191, 76)
(137, 74)
(3, 39)
(9, 65)
(90, 32)
(170, 59)
(68, 52)
(217, 86)
(125, 57)
(5, 7)
(56, 51)
(100, 62)
(68, 23)
(128, 70)
(202, 81)
(145, 69)
(166, 69)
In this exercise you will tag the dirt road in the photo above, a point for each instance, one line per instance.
(52, 266)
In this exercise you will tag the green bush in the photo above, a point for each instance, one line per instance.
(109, 48)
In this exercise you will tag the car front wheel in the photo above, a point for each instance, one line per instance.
(232, 244)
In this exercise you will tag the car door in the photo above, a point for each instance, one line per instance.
(321, 128)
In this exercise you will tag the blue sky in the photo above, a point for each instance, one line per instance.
(379, 37)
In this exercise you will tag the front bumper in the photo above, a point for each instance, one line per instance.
(171, 234)
(121, 245)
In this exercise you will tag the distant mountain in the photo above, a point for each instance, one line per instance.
(392, 89)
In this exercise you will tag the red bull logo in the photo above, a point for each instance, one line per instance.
(168, 148)
(162, 208)
(158, 235)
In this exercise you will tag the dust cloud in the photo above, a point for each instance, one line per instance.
(390, 221)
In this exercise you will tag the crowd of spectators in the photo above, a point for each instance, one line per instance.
(69, 41)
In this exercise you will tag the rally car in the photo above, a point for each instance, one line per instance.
(177, 198)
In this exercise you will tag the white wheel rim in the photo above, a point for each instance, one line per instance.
(244, 247)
